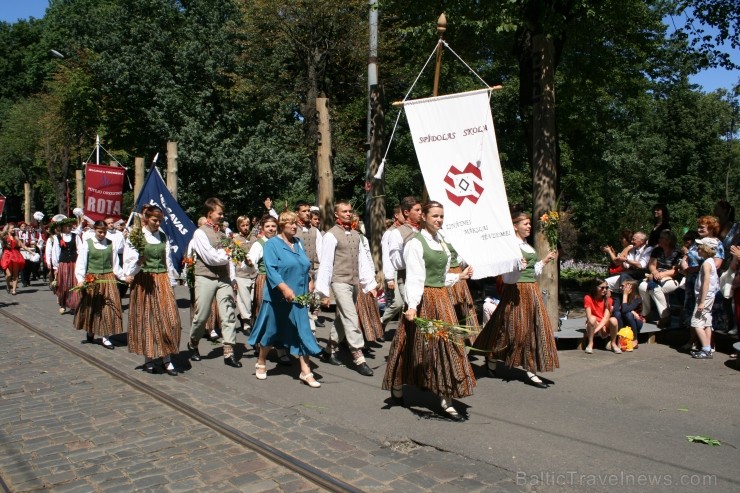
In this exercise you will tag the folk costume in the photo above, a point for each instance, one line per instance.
(245, 278)
(393, 300)
(396, 242)
(99, 312)
(256, 256)
(520, 333)
(63, 259)
(434, 362)
(461, 297)
(153, 321)
(367, 306)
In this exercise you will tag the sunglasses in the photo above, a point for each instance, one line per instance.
(603, 287)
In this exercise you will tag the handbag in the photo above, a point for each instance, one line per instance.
(726, 282)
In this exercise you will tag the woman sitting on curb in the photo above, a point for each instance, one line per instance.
(598, 305)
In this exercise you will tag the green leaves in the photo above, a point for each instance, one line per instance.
(703, 439)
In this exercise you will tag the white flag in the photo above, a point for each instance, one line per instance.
(456, 147)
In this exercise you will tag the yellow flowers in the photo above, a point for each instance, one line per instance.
(550, 226)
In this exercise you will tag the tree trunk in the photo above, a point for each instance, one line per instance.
(376, 194)
(544, 160)
(324, 163)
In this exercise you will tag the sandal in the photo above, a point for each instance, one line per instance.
(309, 380)
(257, 368)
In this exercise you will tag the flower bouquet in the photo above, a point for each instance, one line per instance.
(234, 249)
(188, 263)
(305, 300)
(437, 329)
(136, 236)
(550, 226)
(89, 281)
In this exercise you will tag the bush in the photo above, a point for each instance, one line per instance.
(581, 272)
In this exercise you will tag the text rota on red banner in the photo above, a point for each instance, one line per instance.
(103, 191)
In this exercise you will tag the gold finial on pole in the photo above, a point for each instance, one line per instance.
(441, 28)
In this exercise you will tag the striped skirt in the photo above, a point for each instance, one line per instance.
(153, 319)
(519, 332)
(369, 316)
(464, 304)
(65, 281)
(99, 311)
(214, 320)
(259, 293)
(438, 364)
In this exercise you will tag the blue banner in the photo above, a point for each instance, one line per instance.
(176, 225)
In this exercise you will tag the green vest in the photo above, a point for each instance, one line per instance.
(527, 274)
(155, 256)
(453, 256)
(99, 261)
(435, 264)
(261, 263)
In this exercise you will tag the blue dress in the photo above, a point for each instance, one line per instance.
(280, 323)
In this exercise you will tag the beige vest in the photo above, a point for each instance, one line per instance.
(346, 256)
(309, 246)
(248, 272)
(212, 271)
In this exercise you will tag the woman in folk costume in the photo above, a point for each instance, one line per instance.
(255, 258)
(63, 259)
(461, 297)
(12, 262)
(520, 333)
(366, 305)
(153, 320)
(99, 312)
(435, 361)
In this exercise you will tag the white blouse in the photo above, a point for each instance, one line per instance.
(82, 253)
(131, 257)
(413, 254)
(513, 277)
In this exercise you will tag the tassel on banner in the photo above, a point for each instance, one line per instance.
(379, 174)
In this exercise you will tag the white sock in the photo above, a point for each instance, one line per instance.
(533, 377)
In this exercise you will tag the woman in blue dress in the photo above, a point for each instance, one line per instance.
(281, 322)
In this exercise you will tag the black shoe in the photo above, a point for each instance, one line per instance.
(232, 362)
(149, 368)
(108, 346)
(171, 372)
(331, 358)
(364, 370)
(397, 396)
(380, 339)
(535, 383)
(194, 353)
(318, 324)
(491, 367)
(89, 340)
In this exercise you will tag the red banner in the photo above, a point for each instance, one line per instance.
(103, 191)
(2, 204)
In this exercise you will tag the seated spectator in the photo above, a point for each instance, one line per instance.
(598, 305)
(663, 278)
(662, 223)
(628, 308)
(615, 261)
(634, 263)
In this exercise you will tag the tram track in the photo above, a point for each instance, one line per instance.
(299, 467)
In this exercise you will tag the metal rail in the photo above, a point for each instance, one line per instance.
(294, 464)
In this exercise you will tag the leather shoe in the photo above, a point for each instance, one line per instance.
(332, 359)
(364, 370)
(232, 362)
(318, 324)
(194, 353)
(171, 371)
(534, 383)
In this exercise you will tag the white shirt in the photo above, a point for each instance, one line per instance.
(57, 249)
(202, 247)
(255, 253)
(49, 249)
(395, 249)
(82, 253)
(641, 255)
(389, 272)
(131, 256)
(366, 269)
(416, 270)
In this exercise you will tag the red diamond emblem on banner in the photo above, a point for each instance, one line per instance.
(465, 184)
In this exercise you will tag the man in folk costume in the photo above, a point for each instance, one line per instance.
(311, 238)
(214, 277)
(393, 300)
(342, 269)
(411, 210)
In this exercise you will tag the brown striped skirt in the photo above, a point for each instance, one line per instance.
(520, 333)
(99, 311)
(433, 363)
(369, 316)
(153, 320)
(65, 281)
(259, 293)
(214, 320)
(464, 304)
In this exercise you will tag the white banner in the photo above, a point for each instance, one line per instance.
(457, 152)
